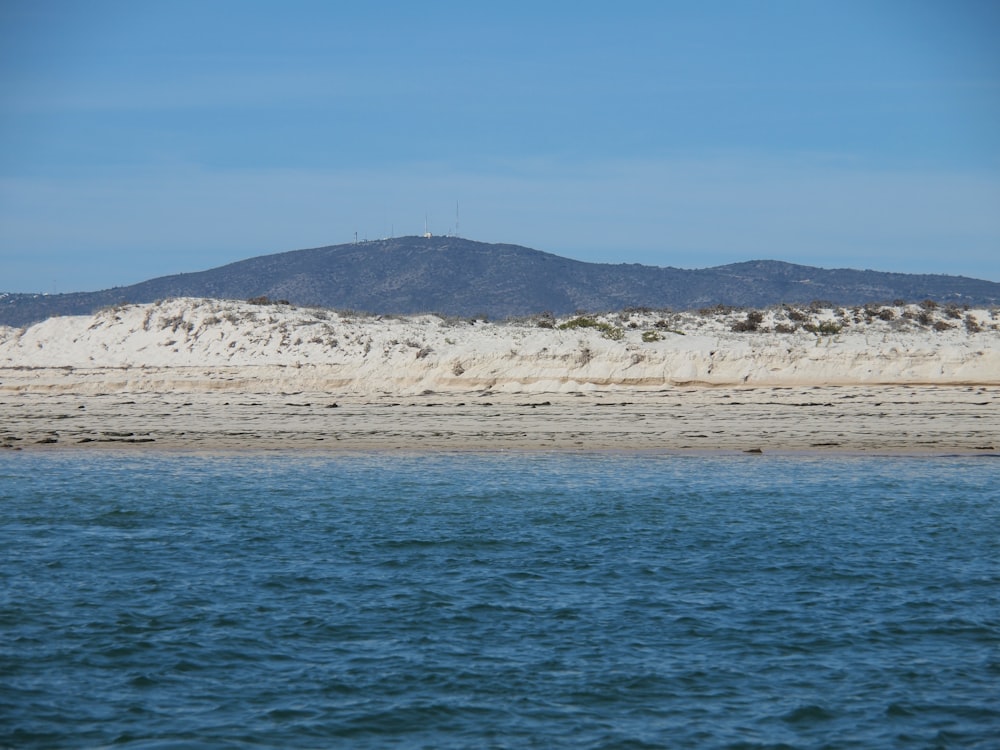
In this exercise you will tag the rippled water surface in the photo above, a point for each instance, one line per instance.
(512, 600)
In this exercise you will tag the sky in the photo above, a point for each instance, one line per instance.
(140, 138)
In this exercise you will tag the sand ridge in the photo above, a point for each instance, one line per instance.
(322, 350)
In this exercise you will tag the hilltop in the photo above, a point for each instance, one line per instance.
(461, 277)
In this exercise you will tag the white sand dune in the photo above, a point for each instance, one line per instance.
(190, 344)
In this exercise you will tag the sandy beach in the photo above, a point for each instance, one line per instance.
(215, 376)
(885, 419)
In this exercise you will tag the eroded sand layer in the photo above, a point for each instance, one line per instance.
(888, 419)
(192, 345)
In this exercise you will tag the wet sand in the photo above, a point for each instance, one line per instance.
(866, 419)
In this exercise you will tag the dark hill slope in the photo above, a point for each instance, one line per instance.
(461, 277)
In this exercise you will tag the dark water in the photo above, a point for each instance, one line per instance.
(549, 601)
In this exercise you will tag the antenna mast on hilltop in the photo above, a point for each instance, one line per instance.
(456, 218)
(426, 230)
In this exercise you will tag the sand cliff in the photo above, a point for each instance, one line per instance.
(192, 345)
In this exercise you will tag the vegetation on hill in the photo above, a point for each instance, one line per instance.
(454, 276)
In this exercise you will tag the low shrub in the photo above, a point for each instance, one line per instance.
(751, 323)
(826, 328)
(797, 315)
(176, 322)
(609, 331)
(579, 322)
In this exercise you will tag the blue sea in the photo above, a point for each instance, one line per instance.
(510, 600)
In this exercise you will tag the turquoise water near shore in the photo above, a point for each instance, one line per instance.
(498, 600)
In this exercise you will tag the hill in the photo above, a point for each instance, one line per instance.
(454, 276)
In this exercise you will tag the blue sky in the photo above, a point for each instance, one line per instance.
(139, 139)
